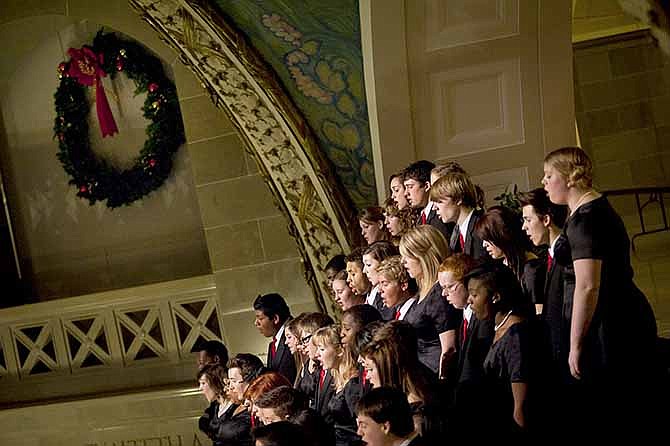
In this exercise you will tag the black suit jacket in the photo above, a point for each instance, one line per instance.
(434, 220)
(474, 350)
(324, 393)
(283, 362)
(474, 246)
(558, 327)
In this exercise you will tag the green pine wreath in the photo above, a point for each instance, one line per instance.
(95, 178)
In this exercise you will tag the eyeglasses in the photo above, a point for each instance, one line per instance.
(306, 339)
(451, 288)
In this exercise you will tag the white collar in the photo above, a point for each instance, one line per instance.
(404, 308)
(552, 246)
(279, 334)
(372, 295)
(463, 228)
(428, 208)
(409, 439)
(467, 313)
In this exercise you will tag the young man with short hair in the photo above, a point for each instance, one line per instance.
(272, 313)
(417, 186)
(384, 418)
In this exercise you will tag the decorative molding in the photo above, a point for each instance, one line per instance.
(300, 177)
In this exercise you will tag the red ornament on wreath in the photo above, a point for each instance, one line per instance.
(85, 67)
(153, 87)
(83, 189)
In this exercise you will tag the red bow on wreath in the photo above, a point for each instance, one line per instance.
(85, 67)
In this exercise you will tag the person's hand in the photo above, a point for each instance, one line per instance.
(573, 362)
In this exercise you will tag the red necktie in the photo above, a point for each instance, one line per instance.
(397, 314)
(273, 348)
(465, 331)
(423, 218)
(364, 376)
(461, 241)
(550, 261)
(322, 376)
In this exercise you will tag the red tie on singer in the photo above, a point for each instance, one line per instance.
(550, 261)
(461, 240)
(465, 331)
(423, 217)
(273, 347)
(397, 314)
(364, 376)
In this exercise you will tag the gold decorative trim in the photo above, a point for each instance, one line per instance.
(321, 217)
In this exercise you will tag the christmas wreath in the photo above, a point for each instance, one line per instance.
(95, 178)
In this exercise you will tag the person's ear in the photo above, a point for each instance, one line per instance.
(546, 221)
(427, 185)
(386, 427)
(496, 298)
(275, 319)
(404, 286)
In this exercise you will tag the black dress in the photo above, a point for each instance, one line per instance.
(619, 346)
(342, 413)
(431, 317)
(622, 333)
(228, 429)
(517, 357)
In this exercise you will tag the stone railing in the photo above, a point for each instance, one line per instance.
(106, 342)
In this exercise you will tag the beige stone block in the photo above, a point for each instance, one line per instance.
(624, 146)
(614, 92)
(15, 9)
(624, 205)
(592, 67)
(635, 116)
(625, 61)
(242, 336)
(277, 242)
(615, 175)
(217, 159)
(252, 165)
(203, 120)
(660, 110)
(235, 201)
(234, 245)
(657, 82)
(238, 287)
(603, 122)
(647, 172)
(188, 84)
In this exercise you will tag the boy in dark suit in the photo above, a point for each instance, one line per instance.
(417, 186)
(272, 313)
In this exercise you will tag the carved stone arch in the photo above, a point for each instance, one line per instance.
(319, 213)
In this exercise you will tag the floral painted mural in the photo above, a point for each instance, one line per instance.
(314, 47)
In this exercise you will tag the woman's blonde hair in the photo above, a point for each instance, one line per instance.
(427, 245)
(347, 368)
(573, 164)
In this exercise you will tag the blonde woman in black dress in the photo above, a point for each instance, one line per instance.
(613, 330)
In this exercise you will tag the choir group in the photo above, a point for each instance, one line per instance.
(458, 322)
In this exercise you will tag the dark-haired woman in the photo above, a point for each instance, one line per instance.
(500, 229)
(226, 421)
(373, 228)
(514, 365)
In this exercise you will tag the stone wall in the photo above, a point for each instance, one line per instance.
(622, 87)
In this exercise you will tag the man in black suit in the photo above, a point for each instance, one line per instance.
(325, 390)
(272, 313)
(212, 352)
(456, 200)
(417, 186)
(384, 418)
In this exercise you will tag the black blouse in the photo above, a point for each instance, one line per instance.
(228, 429)
(342, 413)
(431, 317)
